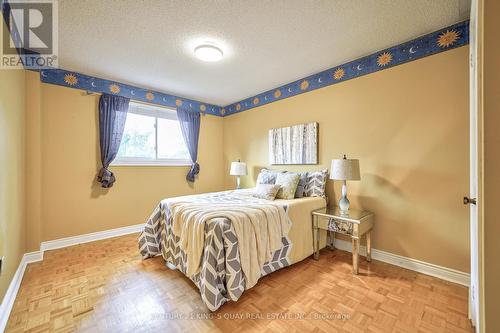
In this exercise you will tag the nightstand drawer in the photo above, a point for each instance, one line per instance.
(340, 226)
(335, 225)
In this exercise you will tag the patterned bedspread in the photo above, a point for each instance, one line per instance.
(220, 277)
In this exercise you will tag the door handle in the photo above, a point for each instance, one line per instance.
(468, 201)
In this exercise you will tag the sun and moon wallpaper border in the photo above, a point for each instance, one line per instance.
(97, 85)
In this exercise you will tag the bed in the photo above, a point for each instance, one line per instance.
(220, 276)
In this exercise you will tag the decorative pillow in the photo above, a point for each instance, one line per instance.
(301, 186)
(267, 176)
(316, 183)
(288, 182)
(266, 191)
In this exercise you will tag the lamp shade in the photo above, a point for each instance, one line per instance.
(238, 169)
(345, 169)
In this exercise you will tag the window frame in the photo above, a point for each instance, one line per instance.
(155, 112)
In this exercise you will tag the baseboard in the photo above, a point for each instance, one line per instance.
(15, 283)
(33, 257)
(86, 238)
(441, 272)
(10, 295)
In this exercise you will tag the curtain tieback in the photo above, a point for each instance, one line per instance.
(195, 169)
(106, 178)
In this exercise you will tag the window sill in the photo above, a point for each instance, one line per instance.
(150, 163)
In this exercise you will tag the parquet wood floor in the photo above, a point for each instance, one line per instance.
(104, 286)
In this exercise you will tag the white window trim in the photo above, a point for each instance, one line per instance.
(157, 112)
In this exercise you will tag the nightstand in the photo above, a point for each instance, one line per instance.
(354, 223)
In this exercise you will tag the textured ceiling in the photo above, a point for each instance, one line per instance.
(266, 43)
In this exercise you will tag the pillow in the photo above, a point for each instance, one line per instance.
(267, 176)
(288, 182)
(266, 191)
(316, 183)
(301, 186)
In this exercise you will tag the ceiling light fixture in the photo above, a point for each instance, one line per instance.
(208, 53)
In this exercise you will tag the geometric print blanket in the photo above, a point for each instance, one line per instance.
(220, 277)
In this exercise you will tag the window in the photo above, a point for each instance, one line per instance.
(152, 136)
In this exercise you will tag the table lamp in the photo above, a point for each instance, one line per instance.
(345, 169)
(238, 169)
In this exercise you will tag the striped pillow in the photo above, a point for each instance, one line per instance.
(316, 183)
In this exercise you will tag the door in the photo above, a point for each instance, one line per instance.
(474, 199)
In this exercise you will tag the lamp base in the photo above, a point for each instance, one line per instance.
(344, 202)
(238, 183)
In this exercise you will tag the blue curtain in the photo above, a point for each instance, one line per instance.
(112, 116)
(190, 127)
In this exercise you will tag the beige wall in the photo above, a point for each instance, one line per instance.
(408, 125)
(64, 150)
(33, 154)
(491, 185)
(12, 227)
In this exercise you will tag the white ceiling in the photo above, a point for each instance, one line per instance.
(150, 43)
